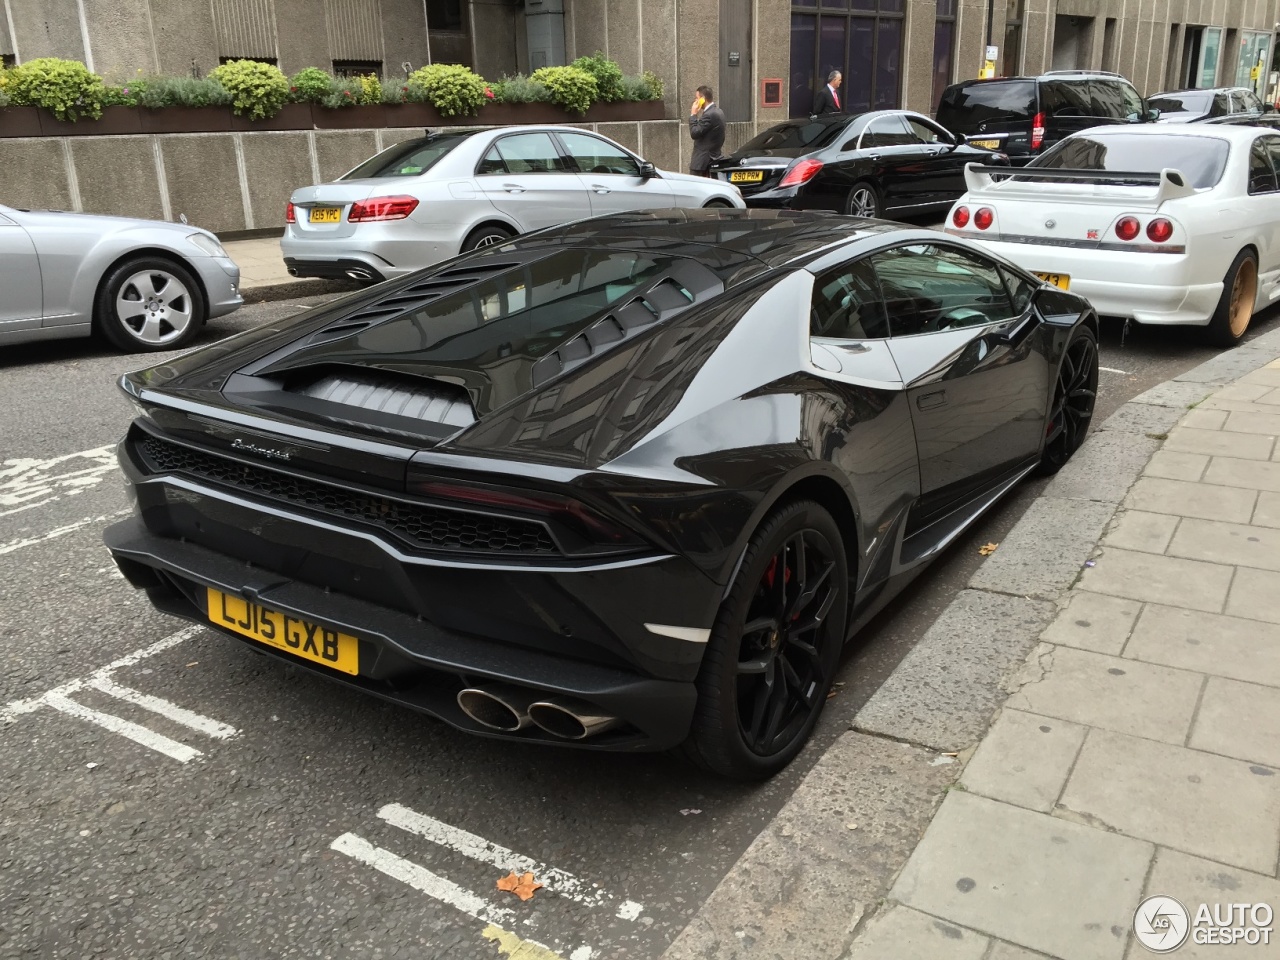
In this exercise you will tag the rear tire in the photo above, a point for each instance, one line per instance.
(149, 303)
(775, 647)
(1074, 395)
(1231, 319)
(864, 201)
(717, 205)
(486, 236)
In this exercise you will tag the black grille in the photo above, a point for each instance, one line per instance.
(434, 528)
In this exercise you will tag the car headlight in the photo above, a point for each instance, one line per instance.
(209, 245)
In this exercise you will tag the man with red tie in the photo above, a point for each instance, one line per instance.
(828, 98)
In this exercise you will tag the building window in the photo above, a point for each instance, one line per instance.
(357, 68)
(270, 60)
(860, 38)
(8, 60)
(1013, 38)
(1253, 61)
(444, 15)
(944, 48)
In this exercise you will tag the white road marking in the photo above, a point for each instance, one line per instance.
(25, 479)
(13, 545)
(486, 851)
(102, 680)
(1113, 370)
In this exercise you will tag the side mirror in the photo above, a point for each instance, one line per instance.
(647, 170)
(1268, 108)
(1153, 114)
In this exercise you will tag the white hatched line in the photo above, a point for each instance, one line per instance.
(26, 478)
(486, 851)
(421, 879)
(181, 715)
(1113, 370)
(13, 545)
(138, 734)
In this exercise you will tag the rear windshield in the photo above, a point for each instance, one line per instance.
(1093, 97)
(798, 136)
(1175, 103)
(965, 106)
(1200, 159)
(406, 159)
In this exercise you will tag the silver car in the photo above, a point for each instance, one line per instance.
(141, 284)
(428, 199)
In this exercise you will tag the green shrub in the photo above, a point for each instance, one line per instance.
(257, 89)
(520, 89)
(4, 98)
(65, 88)
(647, 86)
(571, 88)
(450, 88)
(124, 95)
(608, 75)
(343, 92)
(370, 89)
(310, 85)
(395, 92)
(158, 92)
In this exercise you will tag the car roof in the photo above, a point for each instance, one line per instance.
(1171, 93)
(1241, 134)
(1041, 78)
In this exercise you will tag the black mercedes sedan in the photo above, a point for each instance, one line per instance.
(628, 483)
(888, 162)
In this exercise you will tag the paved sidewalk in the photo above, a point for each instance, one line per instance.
(263, 275)
(1137, 753)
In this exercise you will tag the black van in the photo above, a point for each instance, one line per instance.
(1024, 116)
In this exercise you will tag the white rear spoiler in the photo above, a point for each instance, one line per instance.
(1034, 183)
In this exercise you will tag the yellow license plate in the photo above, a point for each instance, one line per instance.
(1061, 280)
(985, 144)
(746, 176)
(307, 640)
(326, 214)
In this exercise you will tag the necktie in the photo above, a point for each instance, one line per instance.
(836, 97)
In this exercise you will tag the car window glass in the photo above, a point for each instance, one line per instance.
(408, 159)
(1067, 99)
(1021, 290)
(1171, 104)
(847, 304)
(593, 155)
(1262, 174)
(1272, 143)
(932, 287)
(1130, 102)
(492, 163)
(529, 153)
(926, 132)
(797, 135)
(887, 131)
(1221, 105)
(1201, 159)
(998, 104)
(1250, 103)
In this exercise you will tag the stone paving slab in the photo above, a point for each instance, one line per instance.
(1176, 466)
(1024, 759)
(1216, 443)
(904, 934)
(1259, 423)
(1055, 537)
(1174, 394)
(1139, 530)
(1094, 622)
(1104, 468)
(1039, 882)
(1173, 796)
(1267, 512)
(1240, 720)
(1248, 474)
(1183, 499)
(1209, 643)
(1170, 580)
(1239, 544)
(1255, 595)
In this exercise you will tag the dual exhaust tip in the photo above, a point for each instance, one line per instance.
(510, 709)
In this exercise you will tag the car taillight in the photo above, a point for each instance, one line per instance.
(382, 208)
(1159, 230)
(802, 172)
(961, 217)
(1127, 228)
(289, 216)
(1037, 131)
(984, 218)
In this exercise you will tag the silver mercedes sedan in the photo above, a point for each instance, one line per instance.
(431, 198)
(142, 285)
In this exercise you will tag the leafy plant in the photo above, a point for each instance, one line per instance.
(637, 88)
(608, 75)
(125, 95)
(343, 92)
(4, 97)
(310, 85)
(158, 92)
(395, 93)
(257, 89)
(450, 88)
(655, 84)
(66, 88)
(520, 89)
(370, 89)
(571, 88)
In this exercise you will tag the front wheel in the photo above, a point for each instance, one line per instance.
(1235, 307)
(717, 204)
(1074, 396)
(148, 304)
(863, 201)
(773, 652)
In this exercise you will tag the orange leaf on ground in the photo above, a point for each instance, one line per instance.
(989, 549)
(522, 886)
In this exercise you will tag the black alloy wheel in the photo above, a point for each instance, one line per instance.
(773, 653)
(1074, 396)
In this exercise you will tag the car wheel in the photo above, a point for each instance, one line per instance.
(486, 236)
(717, 204)
(1074, 395)
(863, 201)
(1235, 307)
(773, 652)
(149, 303)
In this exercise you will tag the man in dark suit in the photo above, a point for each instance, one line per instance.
(706, 128)
(827, 99)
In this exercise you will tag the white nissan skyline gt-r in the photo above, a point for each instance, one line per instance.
(1159, 224)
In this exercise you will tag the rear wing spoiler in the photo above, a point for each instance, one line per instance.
(1030, 182)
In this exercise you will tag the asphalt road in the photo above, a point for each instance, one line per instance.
(171, 794)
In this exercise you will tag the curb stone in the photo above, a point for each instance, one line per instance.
(942, 697)
(295, 289)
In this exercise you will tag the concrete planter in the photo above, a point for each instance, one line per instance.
(500, 114)
(19, 122)
(186, 120)
(355, 117)
(415, 115)
(623, 111)
(292, 116)
(114, 120)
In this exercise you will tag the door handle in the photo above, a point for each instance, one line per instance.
(598, 188)
(513, 188)
(931, 401)
(874, 156)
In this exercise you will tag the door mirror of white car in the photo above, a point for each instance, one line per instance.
(647, 169)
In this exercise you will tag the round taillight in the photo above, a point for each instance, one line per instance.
(1159, 230)
(984, 218)
(961, 217)
(1127, 228)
